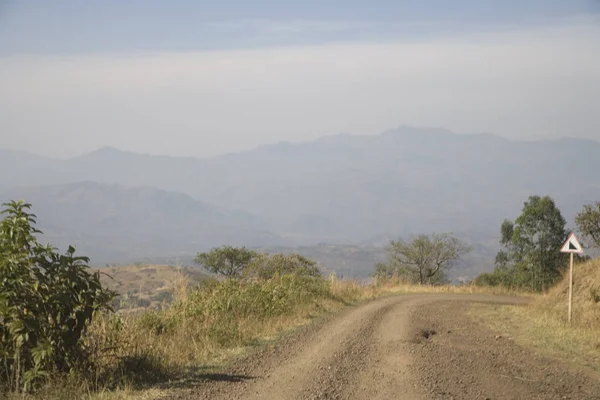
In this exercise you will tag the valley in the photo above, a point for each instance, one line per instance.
(349, 194)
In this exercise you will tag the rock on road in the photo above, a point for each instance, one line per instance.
(402, 347)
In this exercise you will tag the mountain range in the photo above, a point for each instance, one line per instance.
(344, 190)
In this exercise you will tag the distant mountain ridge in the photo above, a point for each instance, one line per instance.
(344, 189)
(115, 223)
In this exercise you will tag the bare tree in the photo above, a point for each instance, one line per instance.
(426, 258)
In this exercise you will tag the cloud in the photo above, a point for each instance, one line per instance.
(520, 83)
(262, 26)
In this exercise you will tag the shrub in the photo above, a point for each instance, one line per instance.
(595, 294)
(267, 266)
(47, 301)
(488, 279)
(228, 261)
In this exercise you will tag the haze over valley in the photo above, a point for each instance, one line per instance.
(349, 194)
(299, 199)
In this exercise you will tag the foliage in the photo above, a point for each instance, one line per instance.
(531, 256)
(267, 266)
(588, 222)
(226, 260)
(424, 259)
(228, 313)
(47, 301)
(595, 294)
(239, 299)
(489, 279)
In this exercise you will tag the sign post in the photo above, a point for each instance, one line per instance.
(571, 246)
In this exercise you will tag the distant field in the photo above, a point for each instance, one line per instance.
(147, 285)
(358, 262)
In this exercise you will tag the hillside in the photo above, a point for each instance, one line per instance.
(343, 190)
(586, 296)
(147, 285)
(116, 224)
(406, 181)
(399, 182)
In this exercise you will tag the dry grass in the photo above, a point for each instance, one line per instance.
(544, 326)
(147, 282)
(399, 287)
(211, 339)
(80, 393)
(210, 325)
(130, 394)
(207, 326)
(146, 278)
(586, 297)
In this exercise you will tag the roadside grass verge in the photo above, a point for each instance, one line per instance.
(543, 324)
(136, 353)
(400, 287)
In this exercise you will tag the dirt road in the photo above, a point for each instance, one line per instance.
(404, 347)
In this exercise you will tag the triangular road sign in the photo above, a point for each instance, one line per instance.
(572, 245)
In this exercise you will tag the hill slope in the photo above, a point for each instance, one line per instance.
(586, 296)
(340, 189)
(348, 187)
(114, 223)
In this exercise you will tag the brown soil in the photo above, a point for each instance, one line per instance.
(467, 360)
(403, 347)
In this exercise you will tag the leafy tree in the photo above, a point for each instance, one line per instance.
(392, 269)
(47, 301)
(531, 255)
(266, 266)
(226, 260)
(588, 222)
(424, 259)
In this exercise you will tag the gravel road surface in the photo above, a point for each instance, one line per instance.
(403, 347)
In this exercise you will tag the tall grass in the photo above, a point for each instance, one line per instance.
(586, 301)
(208, 324)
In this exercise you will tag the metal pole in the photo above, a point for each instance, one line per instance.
(570, 288)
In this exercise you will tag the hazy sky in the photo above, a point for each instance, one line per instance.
(202, 78)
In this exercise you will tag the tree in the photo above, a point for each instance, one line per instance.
(425, 259)
(228, 261)
(47, 301)
(588, 222)
(531, 256)
(265, 266)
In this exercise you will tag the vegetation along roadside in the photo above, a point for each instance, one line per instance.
(59, 324)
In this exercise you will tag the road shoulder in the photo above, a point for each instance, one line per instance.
(460, 356)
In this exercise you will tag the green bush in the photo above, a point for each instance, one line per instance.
(595, 294)
(489, 279)
(267, 266)
(47, 301)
